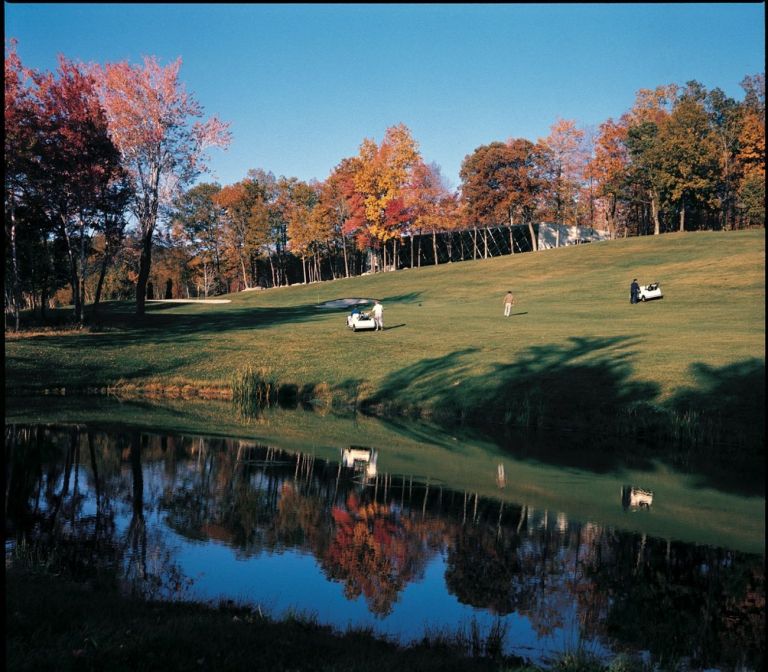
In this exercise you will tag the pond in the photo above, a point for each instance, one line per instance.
(396, 526)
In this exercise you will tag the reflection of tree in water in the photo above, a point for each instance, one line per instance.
(683, 600)
(66, 488)
(373, 552)
(518, 567)
(47, 500)
(64, 494)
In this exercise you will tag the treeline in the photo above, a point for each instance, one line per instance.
(102, 198)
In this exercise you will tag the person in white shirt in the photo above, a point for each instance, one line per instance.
(378, 316)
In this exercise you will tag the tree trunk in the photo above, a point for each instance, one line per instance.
(511, 234)
(485, 243)
(534, 242)
(242, 267)
(682, 215)
(411, 249)
(16, 282)
(434, 247)
(346, 261)
(73, 276)
(418, 261)
(611, 216)
(145, 262)
(45, 280)
(655, 214)
(102, 274)
(81, 317)
(474, 243)
(304, 268)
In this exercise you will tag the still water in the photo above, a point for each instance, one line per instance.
(352, 537)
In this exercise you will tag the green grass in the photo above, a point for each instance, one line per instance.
(574, 351)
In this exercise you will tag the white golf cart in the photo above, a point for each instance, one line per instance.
(361, 321)
(648, 292)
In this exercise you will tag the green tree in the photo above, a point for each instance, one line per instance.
(197, 220)
(688, 169)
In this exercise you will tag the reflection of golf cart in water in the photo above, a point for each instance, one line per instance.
(648, 292)
(361, 459)
(636, 498)
(360, 321)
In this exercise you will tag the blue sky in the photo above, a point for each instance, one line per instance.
(303, 85)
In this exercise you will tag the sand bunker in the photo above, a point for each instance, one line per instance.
(189, 300)
(343, 303)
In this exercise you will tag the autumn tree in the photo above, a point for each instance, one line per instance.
(306, 229)
(85, 187)
(564, 160)
(150, 121)
(265, 227)
(428, 206)
(651, 109)
(20, 115)
(501, 183)
(608, 168)
(382, 174)
(751, 156)
(245, 224)
(335, 205)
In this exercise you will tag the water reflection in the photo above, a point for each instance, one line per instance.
(135, 508)
(636, 498)
(360, 459)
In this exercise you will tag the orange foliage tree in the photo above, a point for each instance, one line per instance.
(382, 174)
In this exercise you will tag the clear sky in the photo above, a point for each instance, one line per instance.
(303, 85)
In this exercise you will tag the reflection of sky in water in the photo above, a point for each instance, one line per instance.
(278, 582)
(268, 534)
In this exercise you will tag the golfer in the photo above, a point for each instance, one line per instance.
(509, 301)
(378, 316)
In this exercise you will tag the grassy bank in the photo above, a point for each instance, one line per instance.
(57, 624)
(574, 351)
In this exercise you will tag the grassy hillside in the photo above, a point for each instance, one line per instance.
(573, 348)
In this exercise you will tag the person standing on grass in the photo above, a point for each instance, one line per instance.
(509, 301)
(378, 315)
(634, 291)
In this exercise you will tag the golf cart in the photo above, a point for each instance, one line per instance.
(360, 321)
(648, 292)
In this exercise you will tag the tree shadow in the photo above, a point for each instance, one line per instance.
(576, 405)
(410, 297)
(728, 401)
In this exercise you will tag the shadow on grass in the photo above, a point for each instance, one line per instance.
(596, 415)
